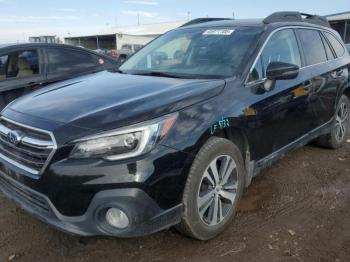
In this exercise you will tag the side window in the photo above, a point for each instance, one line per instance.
(65, 59)
(19, 64)
(337, 46)
(281, 47)
(329, 52)
(313, 47)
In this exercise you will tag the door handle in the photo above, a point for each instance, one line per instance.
(307, 85)
(339, 72)
(33, 84)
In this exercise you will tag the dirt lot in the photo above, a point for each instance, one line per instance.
(296, 210)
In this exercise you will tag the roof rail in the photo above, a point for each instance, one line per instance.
(296, 17)
(203, 20)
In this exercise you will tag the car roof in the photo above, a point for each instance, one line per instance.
(26, 45)
(254, 23)
(228, 23)
(6, 47)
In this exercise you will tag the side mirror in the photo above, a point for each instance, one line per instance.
(281, 71)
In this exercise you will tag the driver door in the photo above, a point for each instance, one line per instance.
(283, 114)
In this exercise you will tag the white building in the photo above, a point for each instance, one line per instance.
(115, 37)
(341, 23)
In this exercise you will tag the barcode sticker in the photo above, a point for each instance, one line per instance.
(219, 32)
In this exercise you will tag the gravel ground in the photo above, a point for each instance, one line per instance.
(296, 210)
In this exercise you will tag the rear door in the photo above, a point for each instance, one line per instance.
(326, 72)
(340, 64)
(21, 71)
(64, 63)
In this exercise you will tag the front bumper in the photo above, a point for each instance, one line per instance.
(145, 216)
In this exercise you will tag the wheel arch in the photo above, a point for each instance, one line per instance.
(237, 136)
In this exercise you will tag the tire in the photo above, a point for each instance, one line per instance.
(340, 126)
(201, 182)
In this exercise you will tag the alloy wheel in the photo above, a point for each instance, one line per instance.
(218, 190)
(341, 122)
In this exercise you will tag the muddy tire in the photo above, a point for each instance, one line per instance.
(214, 186)
(340, 126)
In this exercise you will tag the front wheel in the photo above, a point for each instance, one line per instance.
(214, 186)
(339, 130)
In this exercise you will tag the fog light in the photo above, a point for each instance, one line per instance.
(117, 218)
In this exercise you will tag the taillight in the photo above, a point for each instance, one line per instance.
(113, 53)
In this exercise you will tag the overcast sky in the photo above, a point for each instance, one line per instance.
(22, 18)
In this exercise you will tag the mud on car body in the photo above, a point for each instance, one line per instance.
(175, 135)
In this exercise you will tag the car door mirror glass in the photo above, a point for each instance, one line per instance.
(281, 71)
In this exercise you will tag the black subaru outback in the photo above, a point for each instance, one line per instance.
(173, 138)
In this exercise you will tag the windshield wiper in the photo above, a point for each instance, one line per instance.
(117, 70)
(156, 73)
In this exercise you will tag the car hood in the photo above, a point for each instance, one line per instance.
(107, 100)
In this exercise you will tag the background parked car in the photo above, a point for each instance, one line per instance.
(126, 51)
(25, 67)
(107, 52)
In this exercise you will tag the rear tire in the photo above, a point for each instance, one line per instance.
(340, 126)
(214, 186)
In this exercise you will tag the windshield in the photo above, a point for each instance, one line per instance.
(196, 52)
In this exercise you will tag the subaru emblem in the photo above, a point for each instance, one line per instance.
(14, 137)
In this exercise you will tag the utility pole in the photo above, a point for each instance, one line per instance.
(188, 16)
(138, 18)
(233, 15)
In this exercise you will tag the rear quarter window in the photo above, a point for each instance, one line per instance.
(337, 46)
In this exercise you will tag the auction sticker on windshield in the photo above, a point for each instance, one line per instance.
(218, 32)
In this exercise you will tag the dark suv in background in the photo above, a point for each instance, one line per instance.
(26, 67)
(173, 139)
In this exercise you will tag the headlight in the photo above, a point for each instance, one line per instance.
(124, 143)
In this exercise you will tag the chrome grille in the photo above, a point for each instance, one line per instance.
(25, 147)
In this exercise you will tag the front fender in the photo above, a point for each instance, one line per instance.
(196, 124)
